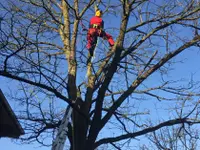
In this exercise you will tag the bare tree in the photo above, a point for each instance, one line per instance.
(174, 138)
(43, 49)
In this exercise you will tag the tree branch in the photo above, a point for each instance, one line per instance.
(146, 74)
(142, 132)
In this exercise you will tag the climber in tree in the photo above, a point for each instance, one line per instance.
(96, 30)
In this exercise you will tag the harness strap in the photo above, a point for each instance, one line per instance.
(96, 26)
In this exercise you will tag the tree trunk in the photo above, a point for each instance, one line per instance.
(80, 127)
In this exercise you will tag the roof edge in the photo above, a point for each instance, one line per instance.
(11, 113)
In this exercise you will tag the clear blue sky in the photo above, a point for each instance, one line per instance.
(8, 144)
(190, 65)
(181, 71)
(13, 144)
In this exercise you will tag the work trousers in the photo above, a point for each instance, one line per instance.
(93, 34)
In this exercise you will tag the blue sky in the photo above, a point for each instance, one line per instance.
(181, 70)
(190, 65)
(13, 144)
(8, 144)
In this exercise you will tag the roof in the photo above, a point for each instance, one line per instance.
(9, 125)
